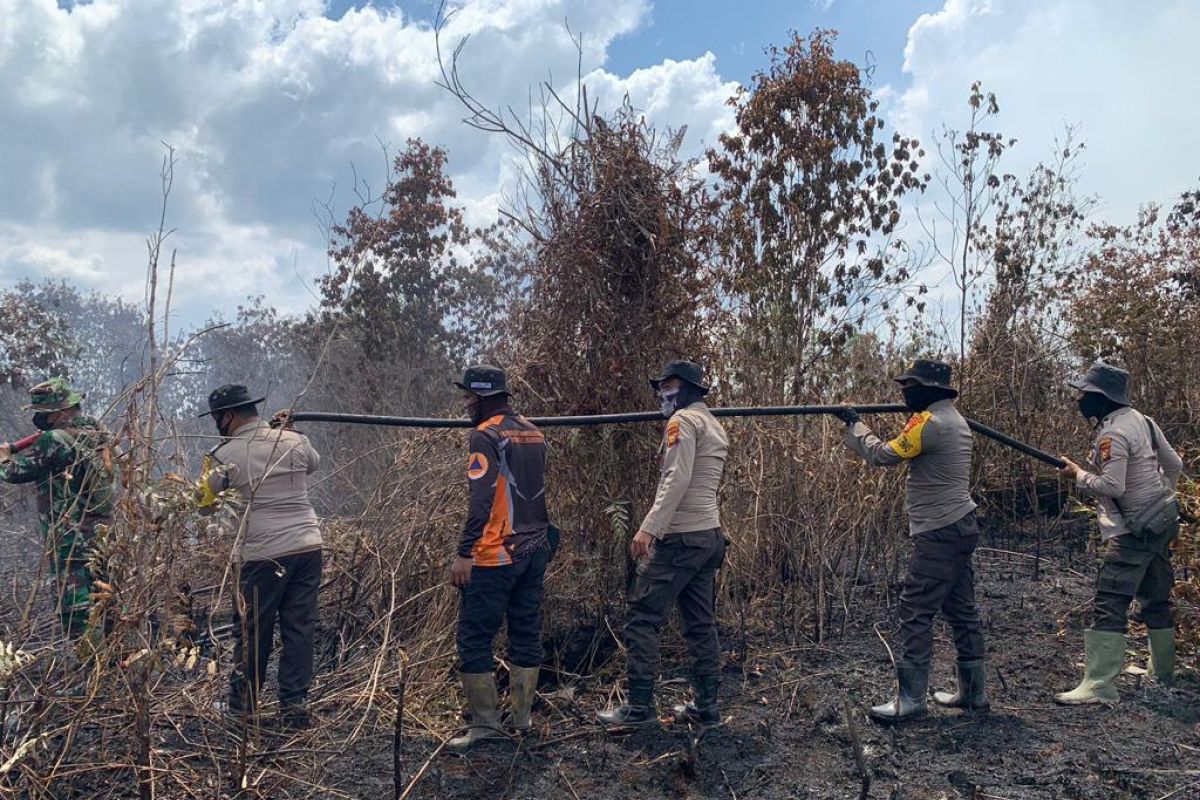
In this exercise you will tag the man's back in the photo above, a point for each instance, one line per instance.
(1135, 464)
(269, 468)
(508, 462)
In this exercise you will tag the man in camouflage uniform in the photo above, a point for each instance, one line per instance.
(71, 462)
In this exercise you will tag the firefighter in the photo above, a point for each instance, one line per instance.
(937, 445)
(1133, 475)
(500, 567)
(267, 465)
(678, 549)
(71, 462)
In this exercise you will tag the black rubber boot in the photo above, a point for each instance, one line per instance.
(913, 684)
(971, 693)
(294, 718)
(703, 710)
(638, 710)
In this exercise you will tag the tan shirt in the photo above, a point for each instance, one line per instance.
(937, 445)
(1128, 469)
(269, 468)
(694, 449)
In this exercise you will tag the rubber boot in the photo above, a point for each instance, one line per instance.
(294, 718)
(1162, 655)
(912, 685)
(522, 686)
(1104, 655)
(639, 710)
(480, 689)
(972, 692)
(703, 710)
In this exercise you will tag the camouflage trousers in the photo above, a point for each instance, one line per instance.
(73, 579)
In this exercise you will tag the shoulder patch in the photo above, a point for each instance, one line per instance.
(1105, 448)
(672, 433)
(908, 443)
(477, 466)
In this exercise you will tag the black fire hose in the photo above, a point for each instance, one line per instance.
(654, 416)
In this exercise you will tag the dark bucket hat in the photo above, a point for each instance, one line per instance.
(1110, 381)
(688, 371)
(231, 395)
(928, 372)
(484, 380)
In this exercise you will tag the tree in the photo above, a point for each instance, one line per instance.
(36, 338)
(811, 206)
(401, 304)
(1135, 307)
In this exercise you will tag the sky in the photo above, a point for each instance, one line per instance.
(275, 106)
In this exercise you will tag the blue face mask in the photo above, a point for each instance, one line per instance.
(666, 400)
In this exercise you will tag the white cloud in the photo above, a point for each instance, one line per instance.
(1119, 70)
(674, 94)
(268, 104)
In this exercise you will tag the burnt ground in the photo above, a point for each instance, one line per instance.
(786, 734)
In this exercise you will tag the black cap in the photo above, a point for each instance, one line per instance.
(231, 395)
(483, 380)
(688, 371)
(1105, 379)
(928, 372)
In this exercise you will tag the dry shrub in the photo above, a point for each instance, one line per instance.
(1187, 567)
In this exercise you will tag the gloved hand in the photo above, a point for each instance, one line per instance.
(283, 419)
(847, 415)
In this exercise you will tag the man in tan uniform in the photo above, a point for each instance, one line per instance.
(280, 548)
(1133, 475)
(678, 549)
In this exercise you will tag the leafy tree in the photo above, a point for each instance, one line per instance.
(811, 208)
(402, 306)
(36, 338)
(1135, 307)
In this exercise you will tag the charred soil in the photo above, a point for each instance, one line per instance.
(786, 733)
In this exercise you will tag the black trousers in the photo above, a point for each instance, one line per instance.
(681, 569)
(941, 578)
(513, 592)
(283, 589)
(1134, 567)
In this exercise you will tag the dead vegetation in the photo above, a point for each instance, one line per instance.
(618, 259)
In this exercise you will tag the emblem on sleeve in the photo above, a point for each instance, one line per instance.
(672, 433)
(1106, 448)
(477, 466)
(908, 443)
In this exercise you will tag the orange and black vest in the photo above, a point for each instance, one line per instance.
(506, 473)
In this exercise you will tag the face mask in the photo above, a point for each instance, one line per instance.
(1093, 406)
(666, 401)
(220, 426)
(919, 398)
(41, 421)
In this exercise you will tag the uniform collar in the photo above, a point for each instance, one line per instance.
(1112, 416)
(247, 427)
(940, 404)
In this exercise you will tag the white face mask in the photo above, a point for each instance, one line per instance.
(666, 401)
